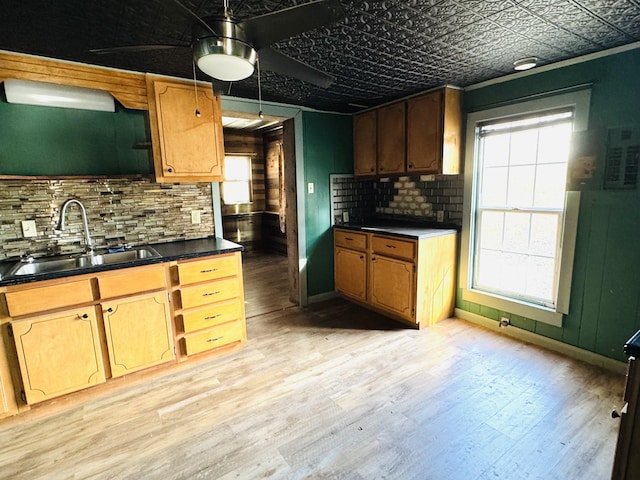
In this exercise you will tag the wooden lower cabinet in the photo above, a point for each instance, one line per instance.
(351, 273)
(138, 332)
(393, 286)
(58, 353)
(412, 280)
(60, 336)
(211, 300)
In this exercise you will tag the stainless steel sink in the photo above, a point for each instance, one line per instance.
(46, 265)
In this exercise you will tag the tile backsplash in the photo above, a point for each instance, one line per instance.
(420, 196)
(120, 211)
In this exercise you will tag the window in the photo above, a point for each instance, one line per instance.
(519, 221)
(237, 180)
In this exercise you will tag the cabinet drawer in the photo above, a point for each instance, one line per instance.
(394, 247)
(350, 239)
(209, 269)
(210, 293)
(31, 300)
(215, 337)
(211, 315)
(133, 281)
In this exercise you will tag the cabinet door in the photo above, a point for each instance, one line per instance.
(364, 143)
(391, 139)
(138, 331)
(424, 133)
(351, 273)
(58, 353)
(187, 146)
(392, 286)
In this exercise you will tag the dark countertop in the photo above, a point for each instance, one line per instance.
(414, 232)
(632, 347)
(170, 251)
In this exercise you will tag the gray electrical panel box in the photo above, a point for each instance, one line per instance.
(623, 157)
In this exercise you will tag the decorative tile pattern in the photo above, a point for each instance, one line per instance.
(418, 196)
(382, 50)
(131, 211)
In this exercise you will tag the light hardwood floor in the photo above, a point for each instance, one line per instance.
(337, 392)
(266, 283)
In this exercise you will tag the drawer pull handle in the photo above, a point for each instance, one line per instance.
(215, 339)
(348, 238)
(390, 246)
(213, 316)
(209, 270)
(208, 294)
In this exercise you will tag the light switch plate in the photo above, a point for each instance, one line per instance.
(310, 187)
(195, 217)
(29, 228)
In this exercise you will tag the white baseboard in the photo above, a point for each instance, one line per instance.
(545, 342)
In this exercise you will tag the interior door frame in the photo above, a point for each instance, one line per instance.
(296, 265)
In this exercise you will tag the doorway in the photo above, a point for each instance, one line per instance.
(264, 223)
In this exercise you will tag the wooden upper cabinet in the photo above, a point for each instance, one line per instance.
(186, 146)
(391, 139)
(365, 143)
(434, 131)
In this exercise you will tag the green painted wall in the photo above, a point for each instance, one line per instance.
(54, 141)
(605, 292)
(328, 148)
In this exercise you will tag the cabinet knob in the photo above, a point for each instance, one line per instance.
(84, 315)
(410, 165)
(373, 169)
(110, 310)
(170, 170)
(615, 414)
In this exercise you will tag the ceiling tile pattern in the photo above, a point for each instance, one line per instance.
(381, 51)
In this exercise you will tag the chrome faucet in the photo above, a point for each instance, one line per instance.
(61, 225)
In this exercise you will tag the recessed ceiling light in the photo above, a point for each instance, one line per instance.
(525, 63)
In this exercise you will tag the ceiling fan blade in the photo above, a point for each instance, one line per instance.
(270, 28)
(135, 48)
(280, 63)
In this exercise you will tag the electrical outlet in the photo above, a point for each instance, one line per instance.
(345, 217)
(195, 217)
(504, 322)
(29, 228)
(440, 215)
(310, 188)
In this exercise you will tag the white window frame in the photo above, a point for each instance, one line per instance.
(579, 101)
(248, 181)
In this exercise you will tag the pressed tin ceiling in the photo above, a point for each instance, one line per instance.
(381, 51)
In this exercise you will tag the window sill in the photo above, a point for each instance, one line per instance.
(528, 310)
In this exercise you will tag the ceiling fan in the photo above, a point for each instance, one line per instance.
(227, 48)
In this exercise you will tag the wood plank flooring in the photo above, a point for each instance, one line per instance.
(265, 283)
(337, 392)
